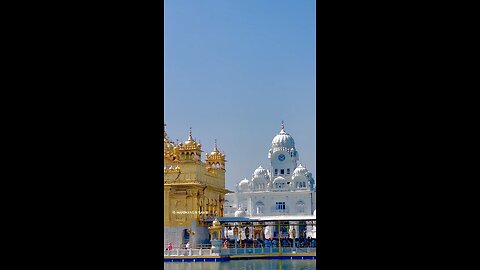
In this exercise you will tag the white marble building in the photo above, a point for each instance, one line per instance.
(286, 188)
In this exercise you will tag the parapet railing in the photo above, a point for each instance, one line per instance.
(188, 252)
(267, 250)
(238, 251)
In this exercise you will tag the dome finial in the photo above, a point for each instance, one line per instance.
(190, 135)
(215, 149)
(283, 125)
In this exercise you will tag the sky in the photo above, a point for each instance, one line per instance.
(234, 69)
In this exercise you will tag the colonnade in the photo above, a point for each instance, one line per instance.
(268, 230)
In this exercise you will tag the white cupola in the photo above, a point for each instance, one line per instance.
(243, 185)
(283, 155)
(300, 171)
(240, 213)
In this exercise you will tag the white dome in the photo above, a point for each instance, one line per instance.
(240, 213)
(283, 139)
(259, 172)
(243, 185)
(300, 171)
(279, 180)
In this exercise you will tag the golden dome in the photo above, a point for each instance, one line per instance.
(190, 140)
(215, 149)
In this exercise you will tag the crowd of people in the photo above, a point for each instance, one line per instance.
(272, 242)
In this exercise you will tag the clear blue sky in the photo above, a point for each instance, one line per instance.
(234, 69)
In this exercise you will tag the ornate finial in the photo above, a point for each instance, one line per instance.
(190, 135)
(283, 125)
(215, 149)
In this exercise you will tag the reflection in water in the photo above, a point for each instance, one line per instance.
(243, 265)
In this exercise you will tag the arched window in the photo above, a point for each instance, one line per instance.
(259, 206)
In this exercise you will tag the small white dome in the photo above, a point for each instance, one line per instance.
(300, 171)
(279, 180)
(259, 172)
(240, 213)
(243, 185)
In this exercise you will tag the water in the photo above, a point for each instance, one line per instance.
(243, 265)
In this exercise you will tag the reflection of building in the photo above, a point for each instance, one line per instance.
(285, 189)
(193, 189)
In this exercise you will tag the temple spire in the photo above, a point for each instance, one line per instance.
(190, 135)
(215, 146)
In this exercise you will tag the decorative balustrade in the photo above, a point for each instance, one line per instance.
(239, 251)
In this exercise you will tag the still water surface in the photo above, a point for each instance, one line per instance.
(243, 265)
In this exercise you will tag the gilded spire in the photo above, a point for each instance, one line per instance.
(190, 141)
(190, 135)
(215, 149)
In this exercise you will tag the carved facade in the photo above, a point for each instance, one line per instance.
(193, 190)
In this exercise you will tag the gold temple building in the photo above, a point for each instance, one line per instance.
(193, 190)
